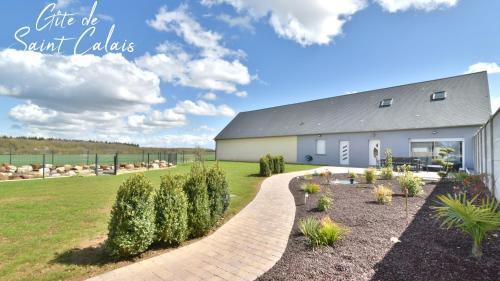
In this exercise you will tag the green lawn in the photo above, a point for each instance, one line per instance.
(42, 221)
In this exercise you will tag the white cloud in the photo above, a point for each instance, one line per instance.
(491, 67)
(206, 128)
(207, 96)
(203, 108)
(78, 83)
(393, 6)
(318, 22)
(243, 22)
(214, 68)
(188, 140)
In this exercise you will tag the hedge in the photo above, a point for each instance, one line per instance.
(198, 207)
(271, 165)
(218, 193)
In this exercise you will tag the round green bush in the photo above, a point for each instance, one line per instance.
(218, 193)
(198, 203)
(132, 225)
(171, 207)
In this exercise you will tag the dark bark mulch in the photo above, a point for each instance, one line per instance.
(426, 251)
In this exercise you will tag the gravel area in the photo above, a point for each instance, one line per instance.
(425, 251)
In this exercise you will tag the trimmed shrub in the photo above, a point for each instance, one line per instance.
(281, 160)
(171, 207)
(218, 193)
(311, 187)
(198, 202)
(411, 184)
(265, 167)
(386, 173)
(370, 175)
(382, 194)
(131, 229)
(324, 203)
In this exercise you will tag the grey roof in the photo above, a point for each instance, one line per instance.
(467, 103)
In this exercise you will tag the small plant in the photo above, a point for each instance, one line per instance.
(308, 177)
(370, 175)
(411, 185)
(382, 194)
(473, 219)
(324, 203)
(131, 229)
(171, 210)
(309, 227)
(311, 187)
(199, 207)
(386, 173)
(388, 158)
(330, 232)
(459, 177)
(324, 232)
(351, 175)
(327, 175)
(265, 167)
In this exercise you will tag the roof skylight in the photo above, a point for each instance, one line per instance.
(439, 95)
(386, 102)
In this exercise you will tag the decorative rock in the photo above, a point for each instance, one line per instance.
(56, 175)
(155, 166)
(163, 165)
(26, 177)
(24, 170)
(86, 167)
(60, 170)
(14, 177)
(395, 240)
(68, 167)
(104, 167)
(129, 166)
(11, 168)
(36, 175)
(36, 167)
(47, 171)
(78, 168)
(70, 174)
(3, 177)
(3, 169)
(157, 161)
(49, 166)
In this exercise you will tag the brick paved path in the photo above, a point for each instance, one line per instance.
(242, 249)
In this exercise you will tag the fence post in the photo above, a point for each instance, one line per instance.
(43, 167)
(10, 155)
(88, 157)
(52, 157)
(96, 165)
(116, 164)
(147, 164)
(143, 156)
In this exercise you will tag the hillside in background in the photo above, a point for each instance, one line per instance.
(32, 145)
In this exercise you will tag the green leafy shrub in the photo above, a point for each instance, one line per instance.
(476, 220)
(131, 229)
(324, 203)
(265, 167)
(411, 184)
(382, 194)
(311, 187)
(460, 177)
(351, 175)
(324, 232)
(276, 165)
(444, 155)
(218, 193)
(171, 207)
(198, 202)
(281, 160)
(370, 175)
(386, 173)
(388, 158)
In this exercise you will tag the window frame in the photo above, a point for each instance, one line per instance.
(410, 141)
(384, 104)
(435, 98)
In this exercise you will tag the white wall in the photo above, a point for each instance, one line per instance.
(252, 149)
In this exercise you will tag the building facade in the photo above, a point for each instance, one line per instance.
(413, 120)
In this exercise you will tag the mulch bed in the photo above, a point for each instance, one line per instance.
(426, 251)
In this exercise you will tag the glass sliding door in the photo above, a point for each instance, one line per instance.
(428, 150)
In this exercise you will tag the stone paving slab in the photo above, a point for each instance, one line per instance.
(244, 248)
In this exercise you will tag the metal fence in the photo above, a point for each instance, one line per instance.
(487, 153)
(19, 166)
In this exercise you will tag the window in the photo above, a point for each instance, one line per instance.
(441, 95)
(427, 151)
(321, 147)
(386, 103)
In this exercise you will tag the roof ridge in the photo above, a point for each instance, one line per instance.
(367, 91)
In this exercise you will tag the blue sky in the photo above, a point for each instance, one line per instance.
(195, 64)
